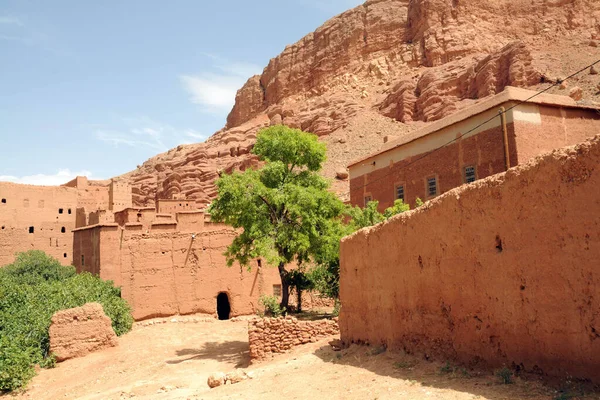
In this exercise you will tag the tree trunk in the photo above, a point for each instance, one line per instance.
(285, 287)
(299, 294)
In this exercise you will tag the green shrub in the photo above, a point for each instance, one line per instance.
(32, 289)
(270, 305)
(505, 376)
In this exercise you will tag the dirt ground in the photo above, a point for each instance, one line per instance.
(172, 360)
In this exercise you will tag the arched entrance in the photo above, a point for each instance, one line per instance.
(223, 307)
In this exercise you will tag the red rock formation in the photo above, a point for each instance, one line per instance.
(417, 60)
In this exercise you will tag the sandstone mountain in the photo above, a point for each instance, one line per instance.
(383, 69)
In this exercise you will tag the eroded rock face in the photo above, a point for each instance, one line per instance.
(79, 331)
(410, 61)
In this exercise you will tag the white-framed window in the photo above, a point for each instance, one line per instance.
(400, 192)
(470, 174)
(432, 186)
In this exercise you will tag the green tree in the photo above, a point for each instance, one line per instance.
(284, 209)
(325, 276)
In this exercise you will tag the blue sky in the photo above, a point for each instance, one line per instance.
(97, 87)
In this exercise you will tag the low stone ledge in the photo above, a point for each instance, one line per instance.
(278, 335)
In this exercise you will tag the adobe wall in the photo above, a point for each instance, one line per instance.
(277, 335)
(50, 211)
(500, 272)
(541, 129)
(485, 151)
(167, 272)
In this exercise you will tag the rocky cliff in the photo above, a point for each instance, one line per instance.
(385, 68)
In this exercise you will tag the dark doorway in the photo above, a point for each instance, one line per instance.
(223, 307)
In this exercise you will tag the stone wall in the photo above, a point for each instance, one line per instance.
(503, 271)
(277, 335)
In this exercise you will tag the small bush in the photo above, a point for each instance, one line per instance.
(32, 289)
(505, 376)
(271, 306)
(418, 202)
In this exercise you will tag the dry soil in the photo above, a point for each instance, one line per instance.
(172, 360)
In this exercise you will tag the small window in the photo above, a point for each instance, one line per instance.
(470, 175)
(69, 211)
(31, 229)
(432, 187)
(400, 192)
(2, 226)
(60, 210)
(65, 255)
(63, 230)
(3, 201)
(82, 260)
(368, 199)
(26, 203)
(277, 290)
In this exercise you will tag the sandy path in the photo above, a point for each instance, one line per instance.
(173, 361)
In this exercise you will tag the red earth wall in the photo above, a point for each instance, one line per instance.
(171, 269)
(503, 271)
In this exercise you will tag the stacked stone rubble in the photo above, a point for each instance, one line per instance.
(277, 335)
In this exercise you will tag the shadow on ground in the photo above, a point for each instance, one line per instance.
(483, 383)
(231, 352)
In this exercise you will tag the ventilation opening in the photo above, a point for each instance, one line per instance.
(60, 210)
(31, 229)
(82, 260)
(2, 226)
(499, 244)
(63, 230)
(223, 307)
(3, 201)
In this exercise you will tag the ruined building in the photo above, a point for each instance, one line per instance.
(471, 144)
(168, 260)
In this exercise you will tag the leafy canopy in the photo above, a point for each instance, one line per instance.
(284, 208)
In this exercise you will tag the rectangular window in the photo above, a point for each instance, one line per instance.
(82, 260)
(277, 290)
(368, 199)
(60, 210)
(3, 201)
(31, 229)
(400, 192)
(470, 175)
(432, 186)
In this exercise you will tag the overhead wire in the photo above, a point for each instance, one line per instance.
(558, 82)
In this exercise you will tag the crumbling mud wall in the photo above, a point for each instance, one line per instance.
(503, 271)
(277, 335)
(79, 331)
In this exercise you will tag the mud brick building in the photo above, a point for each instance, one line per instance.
(43, 217)
(467, 148)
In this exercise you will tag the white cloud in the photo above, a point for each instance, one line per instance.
(143, 131)
(61, 177)
(10, 20)
(215, 92)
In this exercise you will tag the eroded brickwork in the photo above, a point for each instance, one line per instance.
(277, 335)
(500, 272)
